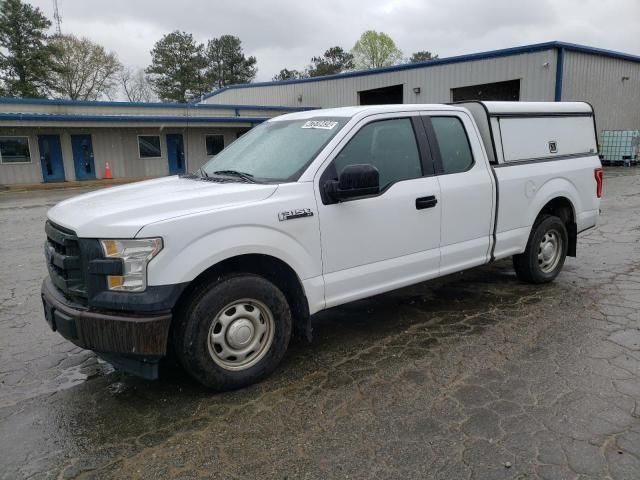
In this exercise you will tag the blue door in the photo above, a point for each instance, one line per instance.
(83, 157)
(175, 153)
(51, 158)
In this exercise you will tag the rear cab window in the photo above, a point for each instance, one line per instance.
(451, 144)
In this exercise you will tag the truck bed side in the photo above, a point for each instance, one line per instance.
(539, 153)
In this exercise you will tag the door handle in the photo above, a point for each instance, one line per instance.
(426, 202)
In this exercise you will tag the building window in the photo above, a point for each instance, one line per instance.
(14, 150)
(215, 144)
(508, 91)
(149, 146)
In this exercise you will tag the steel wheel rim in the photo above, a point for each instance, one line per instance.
(549, 251)
(241, 334)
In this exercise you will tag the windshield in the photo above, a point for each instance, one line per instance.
(277, 151)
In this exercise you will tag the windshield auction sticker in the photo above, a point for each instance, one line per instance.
(322, 124)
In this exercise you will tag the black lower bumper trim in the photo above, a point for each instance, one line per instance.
(122, 333)
(145, 367)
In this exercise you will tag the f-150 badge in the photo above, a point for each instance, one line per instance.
(297, 213)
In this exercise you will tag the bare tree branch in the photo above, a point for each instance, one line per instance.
(136, 86)
(83, 70)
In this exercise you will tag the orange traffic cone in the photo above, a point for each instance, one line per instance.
(107, 171)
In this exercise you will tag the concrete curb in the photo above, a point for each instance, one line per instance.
(26, 187)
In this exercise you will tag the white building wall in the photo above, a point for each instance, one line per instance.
(196, 149)
(535, 70)
(22, 172)
(114, 127)
(12, 173)
(599, 81)
(115, 145)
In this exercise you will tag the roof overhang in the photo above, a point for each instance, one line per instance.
(47, 112)
(102, 121)
(123, 106)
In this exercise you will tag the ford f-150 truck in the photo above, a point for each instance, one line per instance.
(309, 211)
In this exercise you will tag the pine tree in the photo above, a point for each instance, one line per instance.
(422, 56)
(177, 70)
(25, 56)
(335, 60)
(227, 63)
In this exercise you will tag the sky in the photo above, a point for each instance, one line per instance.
(287, 33)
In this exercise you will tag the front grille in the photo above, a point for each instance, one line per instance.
(62, 251)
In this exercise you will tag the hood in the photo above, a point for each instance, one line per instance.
(120, 212)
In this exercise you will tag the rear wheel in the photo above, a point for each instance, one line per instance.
(234, 333)
(546, 251)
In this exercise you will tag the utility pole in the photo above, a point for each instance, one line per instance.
(57, 17)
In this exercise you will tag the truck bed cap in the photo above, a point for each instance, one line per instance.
(515, 108)
(493, 108)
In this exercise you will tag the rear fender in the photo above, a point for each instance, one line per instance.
(554, 188)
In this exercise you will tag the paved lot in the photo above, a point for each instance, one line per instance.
(477, 376)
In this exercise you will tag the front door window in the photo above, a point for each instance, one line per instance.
(388, 145)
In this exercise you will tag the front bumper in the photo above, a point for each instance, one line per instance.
(123, 339)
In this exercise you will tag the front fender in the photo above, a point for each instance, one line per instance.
(182, 263)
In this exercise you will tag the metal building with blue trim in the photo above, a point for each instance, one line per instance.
(550, 71)
(63, 140)
(58, 140)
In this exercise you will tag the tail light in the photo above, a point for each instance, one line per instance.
(597, 173)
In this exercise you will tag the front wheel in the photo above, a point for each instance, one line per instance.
(234, 332)
(546, 251)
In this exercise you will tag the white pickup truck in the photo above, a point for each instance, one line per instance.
(309, 211)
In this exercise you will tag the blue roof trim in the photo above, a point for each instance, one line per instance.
(40, 117)
(559, 74)
(504, 52)
(603, 52)
(97, 103)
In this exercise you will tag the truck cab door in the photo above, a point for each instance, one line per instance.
(467, 190)
(391, 239)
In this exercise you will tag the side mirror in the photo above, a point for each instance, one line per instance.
(354, 181)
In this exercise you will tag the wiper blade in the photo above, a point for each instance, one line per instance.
(234, 173)
(202, 172)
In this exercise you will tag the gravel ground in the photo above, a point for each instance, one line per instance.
(474, 376)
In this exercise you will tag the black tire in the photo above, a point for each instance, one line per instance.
(528, 266)
(199, 355)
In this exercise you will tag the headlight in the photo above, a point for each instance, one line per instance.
(135, 255)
